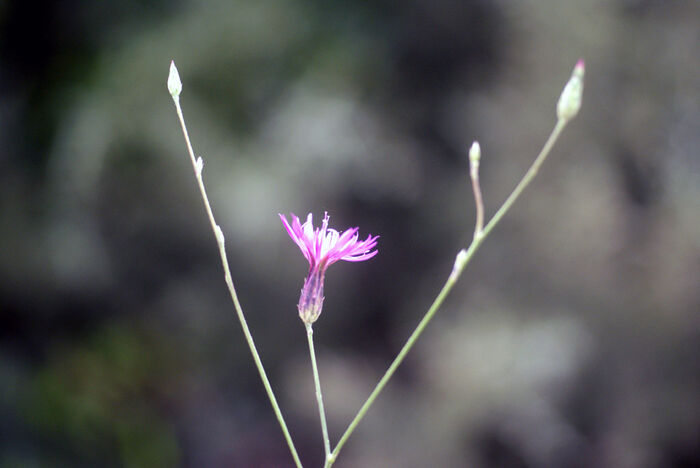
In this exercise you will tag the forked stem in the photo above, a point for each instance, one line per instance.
(463, 258)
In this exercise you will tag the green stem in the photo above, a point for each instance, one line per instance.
(197, 166)
(319, 395)
(463, 258)
(478, 201)
(527, 178)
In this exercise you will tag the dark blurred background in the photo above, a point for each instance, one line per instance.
(572, 340)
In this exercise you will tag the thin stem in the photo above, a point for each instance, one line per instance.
(463, 258)
(197, 166)
(478, 199)
(527, 178)
(319, 395)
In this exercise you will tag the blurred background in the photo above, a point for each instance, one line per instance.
(572, 340)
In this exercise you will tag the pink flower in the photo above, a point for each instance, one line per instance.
(323, 247)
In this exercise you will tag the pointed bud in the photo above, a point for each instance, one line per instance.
(474, 154)
(174, 83)
(570, 99)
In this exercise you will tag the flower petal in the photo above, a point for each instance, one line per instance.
(324, 246)
(296, 234)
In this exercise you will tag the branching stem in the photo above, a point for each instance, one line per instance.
(463, 258)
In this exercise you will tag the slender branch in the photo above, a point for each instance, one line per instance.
(527, 178)
(474, 157)
(479, 202)
(197, 166)
(319, 395)
(463, 258)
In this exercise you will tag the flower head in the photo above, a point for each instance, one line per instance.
(323, 247)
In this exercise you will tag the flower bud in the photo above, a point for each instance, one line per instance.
(474, 158)
(570, 99)
(174, 83)
(474, 154)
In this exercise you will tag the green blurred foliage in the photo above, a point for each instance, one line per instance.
(95, 398)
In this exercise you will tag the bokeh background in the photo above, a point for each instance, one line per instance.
(572, 340)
